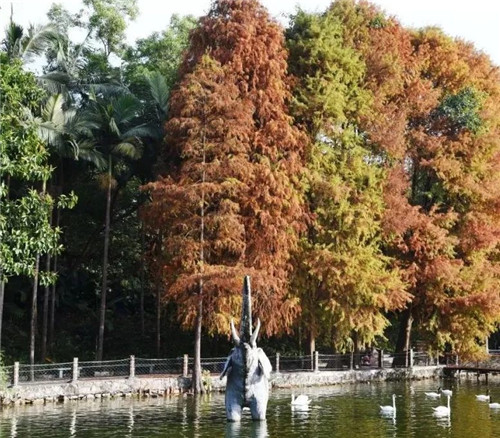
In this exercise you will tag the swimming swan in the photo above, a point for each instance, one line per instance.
(300, 400)
(443, 411)
(494, 405)
(434, 394)
(447, 392)
(483, 397)
(388, 409)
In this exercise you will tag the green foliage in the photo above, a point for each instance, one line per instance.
(329, 73)
(25, 207)
(4, 376)
(108, 21)
(160, 52)
(461, 110)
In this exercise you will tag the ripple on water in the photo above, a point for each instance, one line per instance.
(337, 411)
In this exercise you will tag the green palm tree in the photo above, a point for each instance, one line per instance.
(118, 134)
(19, 43)
(63, 131)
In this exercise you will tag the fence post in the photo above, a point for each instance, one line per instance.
(381, 358)
(185, 366)
(15, 377)
(132, 367)
(316, 361)
(277, 366)
(75, 369)
(411, 357)
(351, 361)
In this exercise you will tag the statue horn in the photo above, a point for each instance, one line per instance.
(253, 339)
(236, 338)
(246, 311)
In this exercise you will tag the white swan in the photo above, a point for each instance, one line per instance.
(300, 400)
(443, 411)
(494, 405)
(447, 392)
(484, 397)
(388, 409)
(434, 394)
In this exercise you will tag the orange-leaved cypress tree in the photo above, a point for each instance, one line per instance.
(435, 123)
(250, 46)
(229, 202)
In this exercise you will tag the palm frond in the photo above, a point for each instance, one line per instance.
(107, 89)
(50, 133)
(37, 40)
(126, 108)
(86, 150)
(54, 82)
(128, 149)
(141, 131)
(53, 110)
(12, 42)
(159, 90)
(113, 127)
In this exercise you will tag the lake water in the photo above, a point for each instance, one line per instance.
(337, 411)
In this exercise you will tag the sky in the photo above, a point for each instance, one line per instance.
(477, 21)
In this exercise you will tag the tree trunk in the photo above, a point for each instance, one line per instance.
(60, 190)
(34, 311)
(102, 315)
(197, 384)
(45, 323)
(158, 321)
(312, 342)
(312, 347)
(404, 337)
(3, 280)
(53, 293)
(143, 331)
(2, 295)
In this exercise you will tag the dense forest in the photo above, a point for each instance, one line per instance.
(350, 165)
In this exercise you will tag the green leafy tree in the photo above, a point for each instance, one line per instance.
(161, 52)
(25, 230)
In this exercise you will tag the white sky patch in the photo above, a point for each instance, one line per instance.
(477, 21)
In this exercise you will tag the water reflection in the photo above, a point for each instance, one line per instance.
(130, 424)
(444, 422)
(389, 416)
(72, 425)
(13, 427)
(350, 410)
(301, 411)
(253, 429)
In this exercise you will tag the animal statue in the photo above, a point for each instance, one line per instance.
(247, 367)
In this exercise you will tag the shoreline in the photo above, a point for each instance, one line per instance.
(161, 386)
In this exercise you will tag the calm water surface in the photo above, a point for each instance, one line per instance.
(337, 411)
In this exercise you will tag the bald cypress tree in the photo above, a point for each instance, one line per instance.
(229, 203)
(345, 283)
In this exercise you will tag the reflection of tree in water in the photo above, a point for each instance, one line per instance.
(72, 426)
(130, 424)
(13, 427)
(253, 429)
